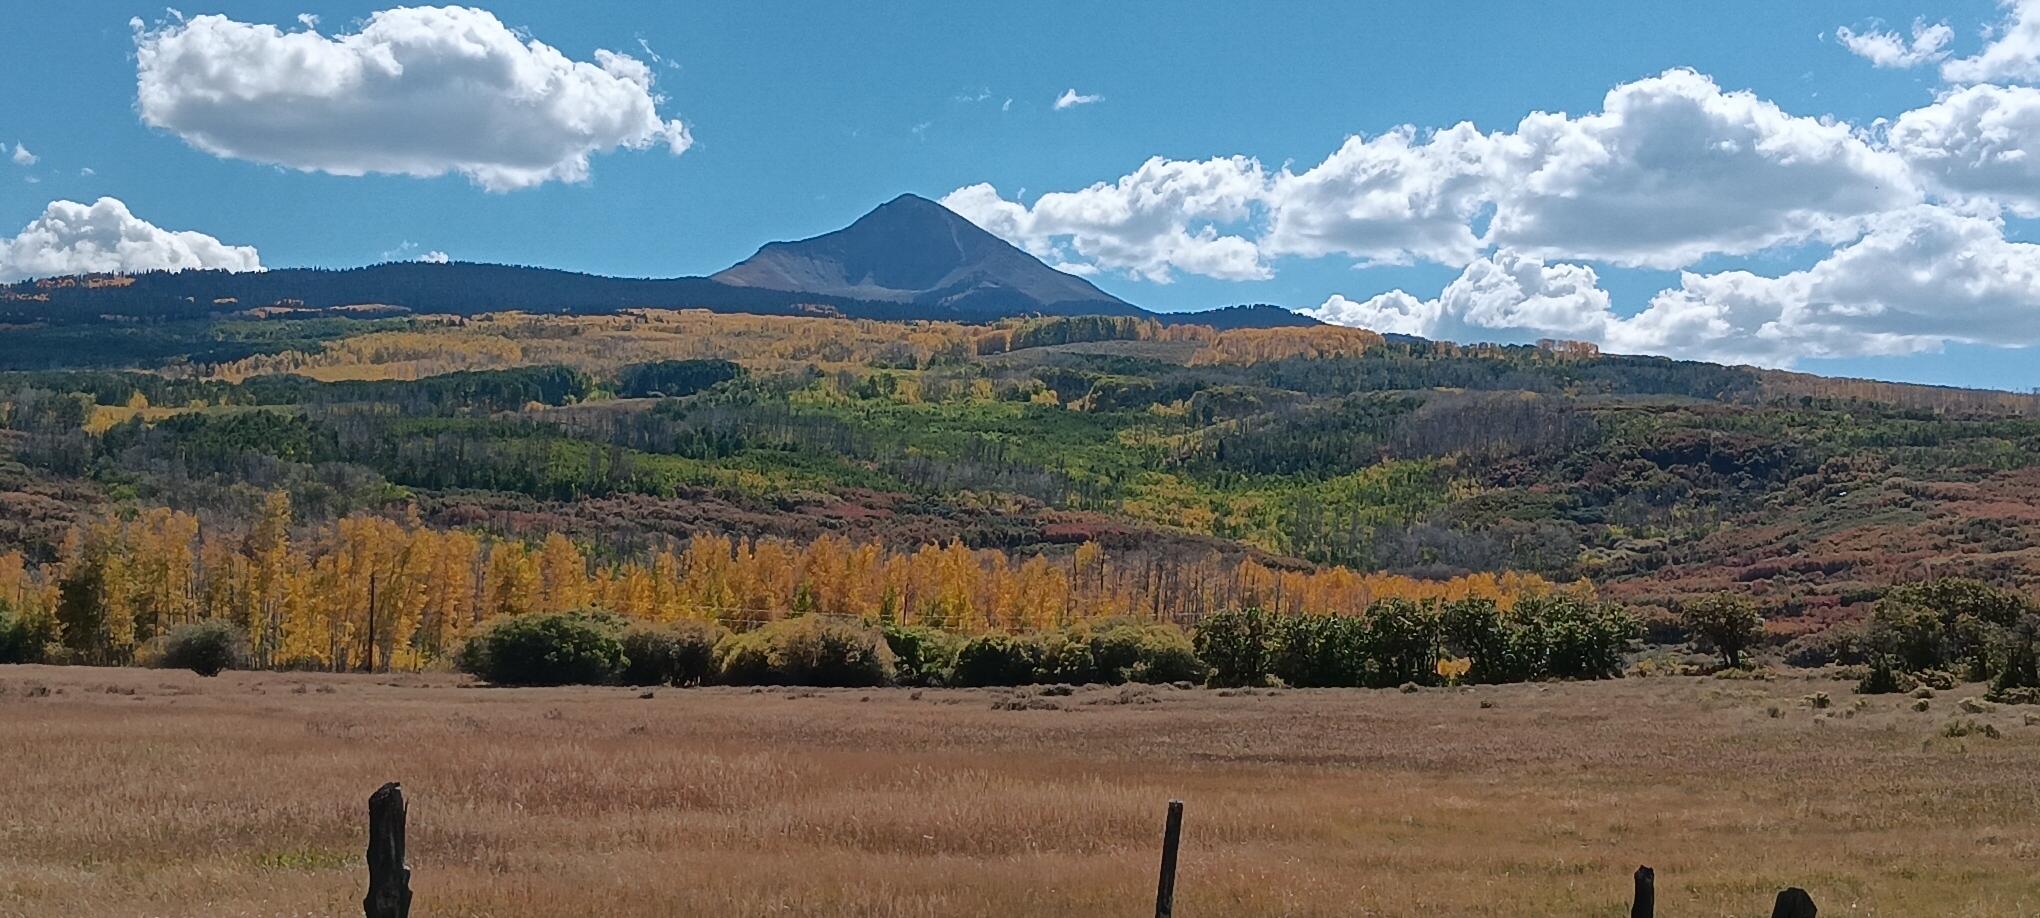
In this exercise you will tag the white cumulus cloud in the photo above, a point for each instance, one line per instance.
(1506, 297)
(2011, 56)
(1918, 279)
(1922, 277)
(1978, 141)
(74, 238)
(1673, 169)
(1152, 222)
(1072, 98)
(421, 91)
(22, 157)
(1392, 198)
(1929, 43)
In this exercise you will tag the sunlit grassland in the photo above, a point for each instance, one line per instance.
(146, 793)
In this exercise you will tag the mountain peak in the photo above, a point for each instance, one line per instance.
(914, 250)
(910, 199)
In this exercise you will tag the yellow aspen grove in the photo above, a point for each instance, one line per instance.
(370, 590)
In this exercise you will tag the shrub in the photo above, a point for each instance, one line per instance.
(565, 648)
(680, 653)
(1965, 726)
(1475, 629)
(807, 650)
(24, 639)
(2019, 677)
(745, 658)
(994, 659)
(206, 648)
(1883, 678)
(1235, 645)
(2021, 695)
(1936, 678)
(1166, 655)
(1314, 651)
(1400, 642)
(1116, 645)
(1571, 637)
(1022, 659)
(1842, 644)
(1063, 658)
(1728, 624)
(1661, 627)
(1946, 623)
(922, 656)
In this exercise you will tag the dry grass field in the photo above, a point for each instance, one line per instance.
(146, 793)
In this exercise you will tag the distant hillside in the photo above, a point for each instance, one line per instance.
(1226, 318)
(463, 288)
(909, 259)
(913, 250)
(458, 288)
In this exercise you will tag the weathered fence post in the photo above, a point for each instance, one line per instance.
(1172, 835)
(1794, 903)
(389, 881)
(1645, 905)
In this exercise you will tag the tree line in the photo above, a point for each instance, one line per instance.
(373, 591)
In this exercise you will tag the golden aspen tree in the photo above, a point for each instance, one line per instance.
(163, 543)
(562, 575)
(667, 594)
(95, 607)
(270, 563)
(513, 579)
(14, 581)
(449, 602)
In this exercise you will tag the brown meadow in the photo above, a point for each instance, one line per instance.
(151, 793)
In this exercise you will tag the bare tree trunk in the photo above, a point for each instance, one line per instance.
(389, 881)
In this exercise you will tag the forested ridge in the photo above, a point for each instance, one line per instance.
(1015, 475)
(466, 289)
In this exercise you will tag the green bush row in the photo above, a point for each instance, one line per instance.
(1111, 650)
(592, 647)
(1397, 642)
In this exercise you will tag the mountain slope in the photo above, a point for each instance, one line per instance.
(913, 250)
(909, 259)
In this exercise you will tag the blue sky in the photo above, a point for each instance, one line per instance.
(804, 115)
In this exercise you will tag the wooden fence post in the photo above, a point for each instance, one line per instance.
(1794, 903)
(389, 881)
(1172, 836)
(1645, 904)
